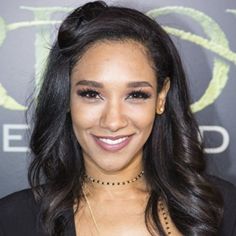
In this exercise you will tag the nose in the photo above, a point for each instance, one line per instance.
(113, 117)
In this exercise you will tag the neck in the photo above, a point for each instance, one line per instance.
(125, 192)
(116, 173)
(109, 184)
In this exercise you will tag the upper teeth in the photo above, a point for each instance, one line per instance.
(112, 142)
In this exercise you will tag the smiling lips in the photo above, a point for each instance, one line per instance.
(112, 144)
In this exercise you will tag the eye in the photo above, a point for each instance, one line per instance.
(139, 95)
(89, 93)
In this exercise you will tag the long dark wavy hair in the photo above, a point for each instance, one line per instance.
(173, 158)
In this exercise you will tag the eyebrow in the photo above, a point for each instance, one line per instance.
(135, 84)
(90, 83)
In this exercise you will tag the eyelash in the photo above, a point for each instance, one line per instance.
(93, 94)
(139, 94)
(88, 93)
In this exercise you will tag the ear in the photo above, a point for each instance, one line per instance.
(161, 97)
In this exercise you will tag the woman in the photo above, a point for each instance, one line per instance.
(115, 145)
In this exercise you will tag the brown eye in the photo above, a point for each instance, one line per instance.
(89, 93)
(139, 95)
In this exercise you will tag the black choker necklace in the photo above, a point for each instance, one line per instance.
(97, 181)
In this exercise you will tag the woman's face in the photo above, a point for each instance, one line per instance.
(113, 104)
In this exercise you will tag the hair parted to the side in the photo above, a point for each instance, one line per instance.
(173, 157)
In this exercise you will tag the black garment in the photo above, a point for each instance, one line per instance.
(19, 216)
(19, 213)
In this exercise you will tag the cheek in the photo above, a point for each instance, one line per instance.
(145, 122)
(144, 116)
(83, 117)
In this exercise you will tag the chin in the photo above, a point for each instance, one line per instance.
(111, 168)
(115, 166)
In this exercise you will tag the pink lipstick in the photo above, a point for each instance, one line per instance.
(112, 144)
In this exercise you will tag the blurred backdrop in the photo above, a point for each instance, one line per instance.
(203, 31)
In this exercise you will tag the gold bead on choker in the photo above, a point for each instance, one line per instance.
(97, 181)
(165, 217)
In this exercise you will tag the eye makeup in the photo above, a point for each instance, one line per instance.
(88, 93)
(139, 94)
(93, 94)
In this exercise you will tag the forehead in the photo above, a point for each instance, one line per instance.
(111, 61)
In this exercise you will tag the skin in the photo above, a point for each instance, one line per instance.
(118, 71)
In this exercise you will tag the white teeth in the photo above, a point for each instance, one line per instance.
(112, 142)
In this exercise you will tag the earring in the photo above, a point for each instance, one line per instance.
(160, 110)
